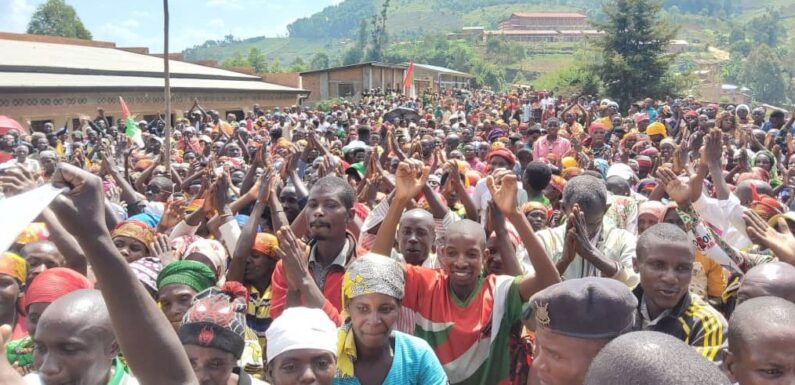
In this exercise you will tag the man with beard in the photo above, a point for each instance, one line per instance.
(318, 281)
(665, 258)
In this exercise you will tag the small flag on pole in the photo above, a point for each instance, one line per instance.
(409, 80)
(130, 128)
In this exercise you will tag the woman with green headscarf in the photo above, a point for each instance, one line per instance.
(177, 285)
(369, 351)
(765, 160)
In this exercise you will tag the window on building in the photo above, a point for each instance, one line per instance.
(345, 89)
(38, 125)
(238, 114)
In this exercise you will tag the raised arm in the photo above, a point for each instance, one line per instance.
(510, 264)
(138, 323)
(237, 268)
(410, 178)
(128, 193)
(503, 188)
(711, 157)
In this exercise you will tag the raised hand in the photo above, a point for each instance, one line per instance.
(503, 188)
(163, 250)
(17, 180)
(781, 242)
(173, 214)
(676, 189)
(293, 257)
(712, 152)
(85, 192)
(8, 375)
(410, 178)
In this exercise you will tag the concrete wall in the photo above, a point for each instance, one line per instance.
(289, 79)
(325, 85)
(63, 106)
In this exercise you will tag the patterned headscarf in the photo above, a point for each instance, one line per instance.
(181, 243)
(533, 206)
(558, 183)
(212, 249)
(217, 319)
(36, 231)
(368, 274)
(136, 230)
(14, 266)
(266, 244)
(146, 270)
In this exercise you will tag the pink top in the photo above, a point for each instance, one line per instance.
(542, 147)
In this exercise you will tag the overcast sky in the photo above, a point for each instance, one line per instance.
(140, 22)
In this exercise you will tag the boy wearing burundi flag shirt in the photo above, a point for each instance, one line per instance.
(464, 315)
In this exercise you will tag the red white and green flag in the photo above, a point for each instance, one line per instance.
(409, 80)
(130, 128)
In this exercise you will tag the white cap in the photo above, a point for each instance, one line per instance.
(301, 328)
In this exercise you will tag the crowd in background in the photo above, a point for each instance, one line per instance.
(462, 237)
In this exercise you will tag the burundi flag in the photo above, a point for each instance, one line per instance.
(130, 128)
(409, 80)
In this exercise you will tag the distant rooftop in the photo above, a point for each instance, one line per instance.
(550, 14)
(31, 61)
(442, 70)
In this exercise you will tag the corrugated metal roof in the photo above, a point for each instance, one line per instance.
(550, 14)
(370, 63)
(28, 80)
(442, 70)
(49, 56)
(26, 64)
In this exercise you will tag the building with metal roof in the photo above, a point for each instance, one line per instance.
(45, 78)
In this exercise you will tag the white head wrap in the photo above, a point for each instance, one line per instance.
(301, 328)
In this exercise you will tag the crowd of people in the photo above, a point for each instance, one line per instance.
(459, 237)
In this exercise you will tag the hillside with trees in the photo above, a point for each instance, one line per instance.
(741, 35)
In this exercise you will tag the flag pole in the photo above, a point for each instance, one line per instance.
(167, 76)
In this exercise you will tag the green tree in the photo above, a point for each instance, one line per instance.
(763, 73)
(256, 59)
(491, 75)
(732, 69)
(352, 56)
(767, 28)
(297, 65)
(56, 18)
(636, 63)
(276, 67)
(378, 36)
(519, 78)
(319, 61)
(236, 60)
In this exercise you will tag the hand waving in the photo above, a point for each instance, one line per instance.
(781, 242)
(677, 190)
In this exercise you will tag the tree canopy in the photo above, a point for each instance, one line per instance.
(763, 72)
(636, 63)
(56, 18)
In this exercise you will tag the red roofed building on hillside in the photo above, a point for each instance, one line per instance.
(545, 21)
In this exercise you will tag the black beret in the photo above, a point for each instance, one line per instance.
(585, 308)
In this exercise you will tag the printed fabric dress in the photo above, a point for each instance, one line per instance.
(470, 337)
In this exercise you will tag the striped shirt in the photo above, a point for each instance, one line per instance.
(692, 320)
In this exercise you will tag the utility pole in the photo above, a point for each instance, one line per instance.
(167, 88)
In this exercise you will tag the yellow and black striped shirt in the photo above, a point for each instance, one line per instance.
(693, 321)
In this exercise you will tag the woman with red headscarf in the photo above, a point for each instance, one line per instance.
(48, 286)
